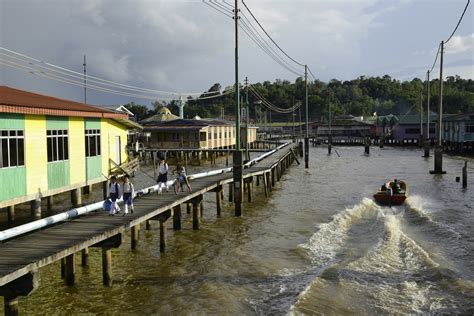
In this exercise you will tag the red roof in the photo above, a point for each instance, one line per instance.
(24, 102)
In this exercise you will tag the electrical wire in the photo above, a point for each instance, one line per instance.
(72, 73)
(436, 58)
(459, 22)
(296, 62)
(217, 9)
(55, 77)
(271, 106)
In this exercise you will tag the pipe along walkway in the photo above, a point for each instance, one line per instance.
(22, 257)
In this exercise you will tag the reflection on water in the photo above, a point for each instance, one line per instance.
(318, 245)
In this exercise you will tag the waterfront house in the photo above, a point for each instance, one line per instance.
(193, 133)
(51, 145)
(347, 128)
(458, 131)
(404, 129)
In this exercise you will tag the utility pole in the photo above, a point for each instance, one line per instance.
(306, 139)
(247, 116)
(85, 80)
(293, 136)
(420, 139)
(427, 141)
(237, 154)
(270, 123)
(329, 125)
(300, 127)
(438, 161)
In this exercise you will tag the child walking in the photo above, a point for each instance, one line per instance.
(114, 195)
(128, 193)
(162, 175)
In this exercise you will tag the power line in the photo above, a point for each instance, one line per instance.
(68, 72)
(270, 105)
(459, 22)
(436, 58)
(217, 9)
(300, 64)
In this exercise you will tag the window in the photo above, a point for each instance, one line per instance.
(209, 135)
(412, 131)
(175, 136)
(57, 144)
(469, 128)
(92, 138)
(12, 149)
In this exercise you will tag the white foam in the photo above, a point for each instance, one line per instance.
(325, 243)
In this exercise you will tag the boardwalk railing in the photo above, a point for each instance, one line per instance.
(70, 214)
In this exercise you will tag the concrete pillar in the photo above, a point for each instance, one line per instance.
(163, 233)
(36, 208)
(11, 306)
(11, 213)
(76, 197)
(237, 162)
(107, 266)
(70, 270)
(438, 161)
(50, 202)
(85, 257)
(196, 217)
(177, 217)
(134, 237)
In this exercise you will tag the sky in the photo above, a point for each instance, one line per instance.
(187, 46)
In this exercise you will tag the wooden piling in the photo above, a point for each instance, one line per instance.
(36, 208)
(177, 217)
(134, 237)
(50, 202)
(163, 233)
(273, 177)
(201, 208)
(85, 257)
(147, 224)
(11, 213)
(464, 175)
(249, 189)
(218, 200)
(188, 208)
(107, 266)
(265, 183)
(63, 268)
(76, 197)
(258, 180)
(231, 192)
(70, 270)
(196, 217)
(11, 306)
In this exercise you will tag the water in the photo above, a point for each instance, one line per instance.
(318, 245)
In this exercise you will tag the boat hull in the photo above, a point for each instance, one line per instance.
(385, 199)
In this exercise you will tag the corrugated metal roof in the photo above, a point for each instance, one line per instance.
(19, 101)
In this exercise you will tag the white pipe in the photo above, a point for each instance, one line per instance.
(38, 224)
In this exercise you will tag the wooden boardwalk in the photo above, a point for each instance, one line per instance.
(21, 257)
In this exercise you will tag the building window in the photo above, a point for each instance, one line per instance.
(92, 137)
(209, 135)
(57, 143)
(469, 128)
(12, 150)
(175, 136)
(412, 131)
(215, 135)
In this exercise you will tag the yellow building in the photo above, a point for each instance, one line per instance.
(193, 134)
(51, 145)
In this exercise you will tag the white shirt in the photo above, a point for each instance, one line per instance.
(127, 187)
(163, 168)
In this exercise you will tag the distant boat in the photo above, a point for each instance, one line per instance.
(385, 195)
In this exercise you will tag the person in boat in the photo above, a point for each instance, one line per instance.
(383, 188)
(395, 187)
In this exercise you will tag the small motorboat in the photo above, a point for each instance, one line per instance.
(388, 195)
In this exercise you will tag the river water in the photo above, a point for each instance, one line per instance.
(318, 245)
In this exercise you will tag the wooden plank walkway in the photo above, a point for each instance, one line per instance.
(28, 253)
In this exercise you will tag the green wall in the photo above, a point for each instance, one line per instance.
(12, 121)
(94, 167)
(12, 182)
(58, 174)
(92, 123)
(57, 122)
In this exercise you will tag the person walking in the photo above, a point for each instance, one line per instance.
(162, 175)
(128, 194)
(114, 195)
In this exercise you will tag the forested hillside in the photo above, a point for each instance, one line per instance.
(361, 96)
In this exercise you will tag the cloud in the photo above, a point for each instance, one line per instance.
(459, 44)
